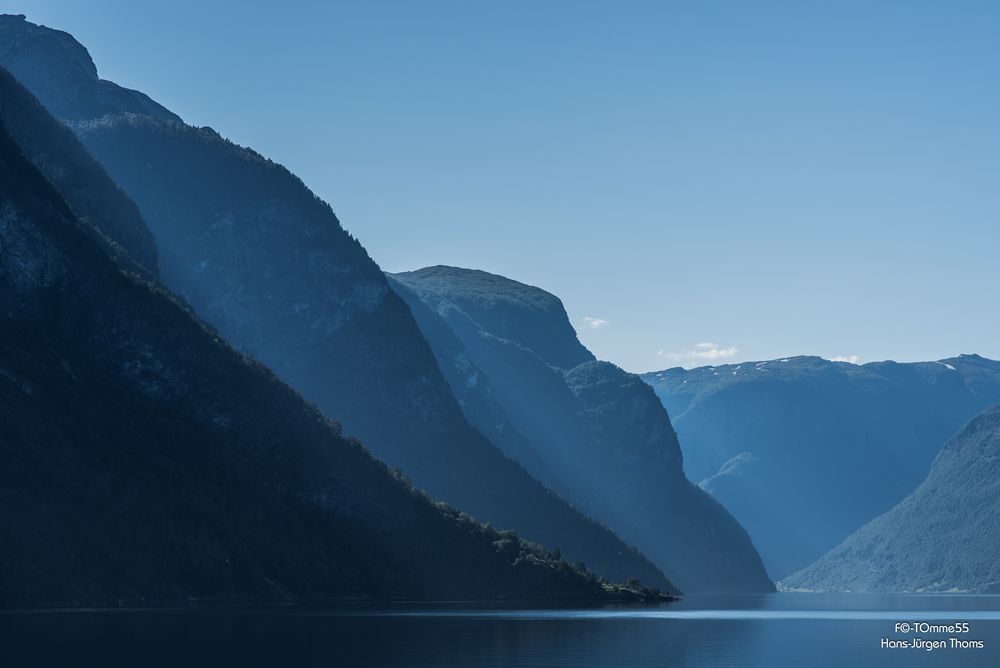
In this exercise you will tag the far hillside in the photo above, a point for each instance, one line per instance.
(805, 451)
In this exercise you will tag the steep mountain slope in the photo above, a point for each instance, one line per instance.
(56, 151)
(943, 537)
(805, 451)
(591, 431)
(266, 263)
(142, 458)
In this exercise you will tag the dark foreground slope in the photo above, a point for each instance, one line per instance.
(142, 458)
(268, 264)
(943, 537)
(805, 451)
(594, 433)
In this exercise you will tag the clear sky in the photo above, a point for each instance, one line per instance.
(698, 181)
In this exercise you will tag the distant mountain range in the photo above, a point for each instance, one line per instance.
(592, 432)
(267, 264)
(142, 459)
(943, 537)
(805, 451)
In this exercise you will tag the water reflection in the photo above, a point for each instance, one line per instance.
(775, 630)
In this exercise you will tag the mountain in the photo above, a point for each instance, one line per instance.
(805, 451)
(943, 537)
(267, 264)
(592, 432)
(60, 71)
(142, 458)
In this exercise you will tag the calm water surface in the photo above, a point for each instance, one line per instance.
(774, 630)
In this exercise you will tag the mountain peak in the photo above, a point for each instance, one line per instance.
(487, 285)
(61, 73)
(19, 33)
(510, 310)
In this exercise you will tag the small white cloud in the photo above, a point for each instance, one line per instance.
(596, 323)
(706, 351)
(850, 359)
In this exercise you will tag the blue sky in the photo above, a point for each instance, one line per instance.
(700, 182)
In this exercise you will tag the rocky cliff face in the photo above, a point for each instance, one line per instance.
(943, 537)
(591, 431)
(267, 264)
(805, 451)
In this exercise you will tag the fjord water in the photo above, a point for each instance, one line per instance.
(784, 629)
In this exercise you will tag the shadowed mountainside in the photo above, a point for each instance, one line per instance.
(145, 460)
(589, 430)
